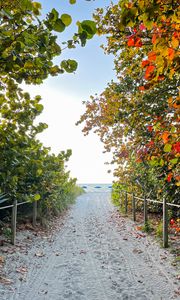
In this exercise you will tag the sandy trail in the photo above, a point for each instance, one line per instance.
(96, 256)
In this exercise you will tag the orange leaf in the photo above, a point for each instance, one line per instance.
(154, 38)
(165, 137)
(171, 53)
(177, 177)
(149, 71)
(170, 100)
(145, 63)
(141, 88)
(175, 105)
(161, 77)
(139, 160)
(152, 56)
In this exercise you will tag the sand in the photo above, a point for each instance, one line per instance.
(95, 255)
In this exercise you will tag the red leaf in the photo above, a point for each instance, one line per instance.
(176, 147)
(145, 63)
(172, 222)
(138, 42)
(130, 42)
(169, 177)
(149, 71)
(152, 56)
(149, 128)
(142, 26)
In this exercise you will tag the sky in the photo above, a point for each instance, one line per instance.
(63, 96)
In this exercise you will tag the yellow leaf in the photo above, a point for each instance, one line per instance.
(175, 42)
(171, 73)
(170, 100)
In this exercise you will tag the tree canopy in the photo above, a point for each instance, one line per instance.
(29, 171)
(137, 117)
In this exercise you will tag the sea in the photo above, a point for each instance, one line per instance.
(96, 187)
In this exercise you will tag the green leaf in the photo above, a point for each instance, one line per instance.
(59, 26)
(174, 161)
(53, 15)
(37, 197)
(28, 64)
(89, 26)
(54, 70)
(39, 172)
(173, 129)
(167, 148)
(37, 5)
(161, 163)
(72, 1)
(83, 37)
(66, 19)
(39, 107)
(69, 65)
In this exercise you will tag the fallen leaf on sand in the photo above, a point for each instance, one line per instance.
(29, 226)
(174, 238)
(2, 259)
(43, 292)
(83, 252)
(39, 254)
(22, 270)
(139, 235)
(138, 227)
(137, 251)
(5, 280)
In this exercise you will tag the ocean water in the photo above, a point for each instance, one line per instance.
(96, 187)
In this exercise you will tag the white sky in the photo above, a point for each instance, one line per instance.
(62, 100)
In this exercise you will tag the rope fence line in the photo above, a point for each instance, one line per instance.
(14, 207)
(145, 200)
(8, 206)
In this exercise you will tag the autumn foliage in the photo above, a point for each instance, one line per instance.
(137, 117)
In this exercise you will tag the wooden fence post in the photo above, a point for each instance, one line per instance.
(165, 224)
(133, 208)
(120, 199)
(145, 211)
(125, 203)
(34, 213)
(13, 222)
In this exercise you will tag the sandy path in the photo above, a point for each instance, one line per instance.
(96, 256)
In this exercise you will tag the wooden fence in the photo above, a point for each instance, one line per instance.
(14, 208)
(145, 200)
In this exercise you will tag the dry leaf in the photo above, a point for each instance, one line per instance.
(83, 252)
(40, 254)
(2, 259)
(137, 251)
(5, 280)
(22, 270)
